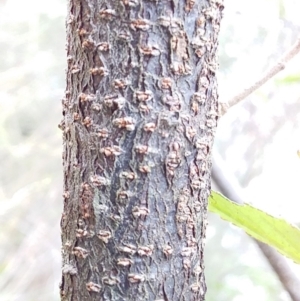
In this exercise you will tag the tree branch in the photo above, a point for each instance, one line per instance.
(280, 65)
(228, 186)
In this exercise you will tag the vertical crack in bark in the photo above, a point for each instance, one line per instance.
(140, 114)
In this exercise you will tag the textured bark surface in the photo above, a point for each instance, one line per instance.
(140, 113)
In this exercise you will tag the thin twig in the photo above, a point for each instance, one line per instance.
(228, 186)
(280, 65)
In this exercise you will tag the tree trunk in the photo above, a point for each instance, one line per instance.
(140, 114)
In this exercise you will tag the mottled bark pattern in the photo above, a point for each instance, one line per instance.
(140, 113)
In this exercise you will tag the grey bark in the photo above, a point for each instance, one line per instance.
(140, 113)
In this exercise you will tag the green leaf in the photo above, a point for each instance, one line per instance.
(290, 79)
(273, 231)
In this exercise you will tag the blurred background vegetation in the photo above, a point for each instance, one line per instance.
(257, 142)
